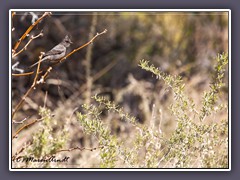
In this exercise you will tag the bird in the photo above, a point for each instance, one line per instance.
(56, 52)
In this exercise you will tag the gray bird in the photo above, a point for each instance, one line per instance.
(57, 52)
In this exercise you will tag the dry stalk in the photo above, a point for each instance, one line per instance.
(88, 61)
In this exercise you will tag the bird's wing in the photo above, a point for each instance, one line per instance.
(55, 51)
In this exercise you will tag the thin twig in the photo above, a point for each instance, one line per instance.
(44, 76)
(21, 150)
(86, 44)
(23, 74)
(45, 99)
(25, 126)
(78, 148)
(25, 47)
(20, 122)
(75, 109)
(153, 118)
(13, 14)
(95, 77)
(22, 100)
(38, 69)
(104, 70)
(15, 68)
(160, 121)
(29, 90)
(29, 29)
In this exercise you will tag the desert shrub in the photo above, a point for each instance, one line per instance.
(195, 143)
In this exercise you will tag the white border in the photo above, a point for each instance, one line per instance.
(230, 87)
(121, 10)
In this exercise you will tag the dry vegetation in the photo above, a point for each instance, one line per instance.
(104, 106)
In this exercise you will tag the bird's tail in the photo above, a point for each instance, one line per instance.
(30, 67)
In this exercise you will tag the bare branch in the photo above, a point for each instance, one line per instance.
(23, 74)
(30, 89)
(25, 126)
(14, 67)
(75, 50)
(25, 47)
(29, 29)
(20, 122)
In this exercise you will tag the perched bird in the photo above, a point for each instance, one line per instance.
(57, 52)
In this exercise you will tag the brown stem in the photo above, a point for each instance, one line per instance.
(24, 127)
(25, 47)
(30, 89)
(23, 74)
(88, 61)
(13, 14)
(22, 100)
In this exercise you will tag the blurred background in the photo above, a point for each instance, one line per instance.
(179, 43)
